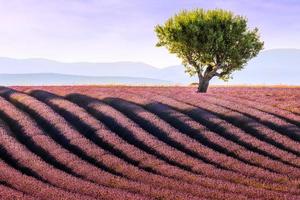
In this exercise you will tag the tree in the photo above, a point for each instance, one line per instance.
(209, 42)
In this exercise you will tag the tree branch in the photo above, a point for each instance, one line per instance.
(194, 64)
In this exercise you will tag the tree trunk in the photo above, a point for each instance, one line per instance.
(203, 85)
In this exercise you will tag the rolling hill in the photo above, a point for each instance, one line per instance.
(91, 142)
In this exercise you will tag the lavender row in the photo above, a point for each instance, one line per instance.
(249, 139)
(105, 157)
(181, 106)
(58, 177)
(216, 139)
(139, 110)
(53, 175)
(104, 109)
(283, 114)
(8, 193)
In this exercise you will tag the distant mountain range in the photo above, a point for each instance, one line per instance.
(278, 66)
(63, 79)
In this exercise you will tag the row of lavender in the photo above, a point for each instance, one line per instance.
(284, 98)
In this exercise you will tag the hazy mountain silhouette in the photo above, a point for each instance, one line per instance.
(278, 66)
(63, 79)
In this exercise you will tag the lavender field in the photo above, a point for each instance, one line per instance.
(118, 142)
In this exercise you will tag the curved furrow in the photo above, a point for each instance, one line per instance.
(280, 126)
(88, 171)
(270, 121)
(9, 193)
(247, 124)
(128, 108)
(72, 111)
(135, 113)
(214, 123)
(5, 156)
(271, 110)
(11, 149)
(32, 146)
(159, 143)
(92, 173)
(78, 116)
(247, 121)
(209, 119)
(51, 174)
(87, 125)
(270, 96)
(106, 114)
(121, 124)
(177, 121)
(200, 133)
(175, 145)
(34, 187)
(285, 115)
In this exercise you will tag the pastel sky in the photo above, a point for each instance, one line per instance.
(122, 30)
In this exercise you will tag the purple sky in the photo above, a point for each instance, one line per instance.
(122, 30)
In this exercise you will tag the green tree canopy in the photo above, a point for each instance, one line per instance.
(209, 42)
